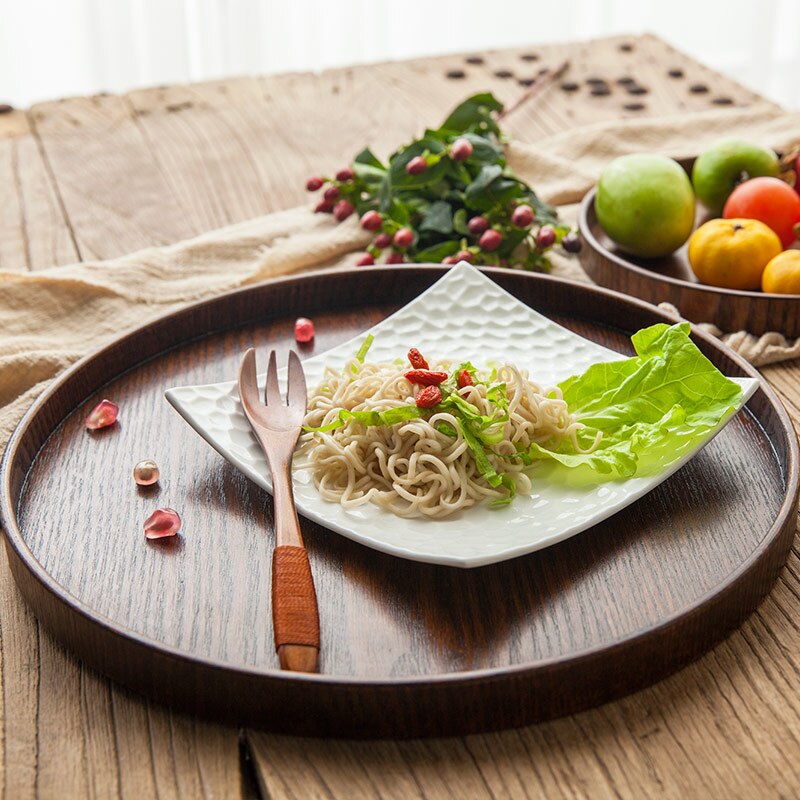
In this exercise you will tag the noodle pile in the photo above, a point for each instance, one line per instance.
(427, 466)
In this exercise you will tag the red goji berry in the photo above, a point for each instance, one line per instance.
(429, 397)
(416, 359)
(464, 379)
(425, 377)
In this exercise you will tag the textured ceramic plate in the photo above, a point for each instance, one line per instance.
(463, 316)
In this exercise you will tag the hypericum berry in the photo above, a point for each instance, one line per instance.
(371, 221)
(464, 255)
(461, 150)
(395, 258)
(161, 523)
(490, 240)
(345, 175)
(546, 237)
(331, 194)
(403, 238)
(417, 165)
(105, 413)
(522, 217)
(312, 184)
(323, 207)
(449, 260)
(366, 260)
(464, 379)
(572, 242)
(382, 240)
(416, 359)
(477, 225)
(429, 397)
(343, 209)
(303, 330)
(425, 377)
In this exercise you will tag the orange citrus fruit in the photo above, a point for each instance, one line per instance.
(782, 274)
(732, 253)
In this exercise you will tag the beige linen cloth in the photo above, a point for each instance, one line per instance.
(50, 318)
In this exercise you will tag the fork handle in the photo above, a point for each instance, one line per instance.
(295, 617)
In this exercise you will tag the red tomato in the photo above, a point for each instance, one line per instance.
(769, 200)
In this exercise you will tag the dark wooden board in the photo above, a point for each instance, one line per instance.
(670, 279)
(408, 649)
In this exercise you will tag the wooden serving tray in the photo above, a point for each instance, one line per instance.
(670, 279)
(408, 649)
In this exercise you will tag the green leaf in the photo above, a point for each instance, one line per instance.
(650, 409)
(421, 147)
(391, 416)
(367, 158)
(474, 114)
(438, 218)
(484, 151)
(460, 222)
(488, 173)
(435, 253)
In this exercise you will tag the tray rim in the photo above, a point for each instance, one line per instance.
(22, 558)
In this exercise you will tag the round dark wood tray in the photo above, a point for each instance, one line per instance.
(408, 649)
(670, 279)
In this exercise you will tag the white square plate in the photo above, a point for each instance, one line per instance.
(462, 316)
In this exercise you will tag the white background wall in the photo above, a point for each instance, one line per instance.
(53, 48)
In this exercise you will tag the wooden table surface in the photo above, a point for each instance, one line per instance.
(92, 178)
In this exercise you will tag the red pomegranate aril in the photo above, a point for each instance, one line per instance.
(331, 194)
(546, 237)
(490, 240)
(105, 413)
(312, 184)
(343, 209)
(429, 397)
(522, 217)
(416, 359)
(382, 240)
(146, 473)
(303, 330)
(345, 175)
(426, 377)
(161, 523)
(461, 150)
(416, 166)
(323, 207)
(371, 221)
(477, 225)
(403, 238)
(366, 260)
(395, 258)
(464, 255)
(464, 379)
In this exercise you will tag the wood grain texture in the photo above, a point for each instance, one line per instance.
(186, 621)
(693, 734)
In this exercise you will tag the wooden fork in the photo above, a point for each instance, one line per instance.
(276, 425)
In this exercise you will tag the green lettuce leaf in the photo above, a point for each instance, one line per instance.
(650, 409)
(391, 416)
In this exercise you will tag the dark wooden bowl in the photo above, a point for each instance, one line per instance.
(408, 649)
(670, 279)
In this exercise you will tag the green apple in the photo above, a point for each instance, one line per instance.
(721, 168)
(645, 203)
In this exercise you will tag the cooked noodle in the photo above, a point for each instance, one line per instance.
(424, 466)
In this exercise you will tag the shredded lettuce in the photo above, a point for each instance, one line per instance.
(364, 349)
(391, 416)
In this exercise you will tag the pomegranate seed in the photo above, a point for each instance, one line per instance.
(323, 207)
(522, 217)
(345, 175)
(331, 194)
(395, 258)
(461, 150)
(477, 225)
(382, 240)
(429, 397)
(162, 522)
(490, 240)
(105, 413)
(426, 377)
(416, 359)
(416, 165)
(303, 330)
(450, 260)
(371, 221)
(464, 379)
(146, 473)
(464, 255)
(546, 237)
(403, 238)
(571, 242)
(312, 184)
(343, 209)
(365, 261)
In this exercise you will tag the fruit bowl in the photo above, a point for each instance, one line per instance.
(670, 279)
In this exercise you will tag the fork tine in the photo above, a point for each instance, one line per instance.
(296, 394)
(272, 392)
(248, 390)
